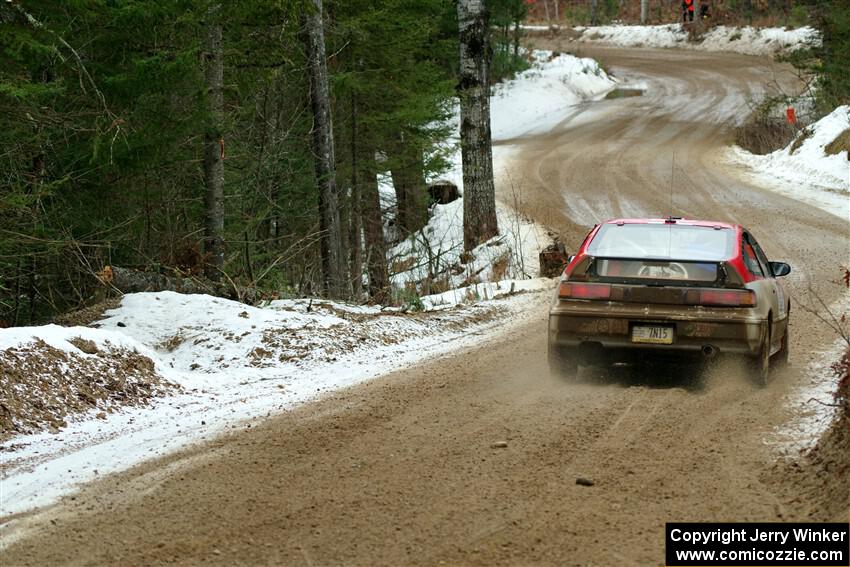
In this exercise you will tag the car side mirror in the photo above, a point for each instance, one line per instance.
(780, 269)
(570, 258)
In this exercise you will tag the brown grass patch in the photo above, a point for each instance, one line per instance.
(171, 344)
(839, 144)
(762, 135)
(402, 265)
(85, 346)
(87, 315)
(804, 135)
(500, 267)
(440, 285)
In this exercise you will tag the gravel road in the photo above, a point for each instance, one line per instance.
(473, 459)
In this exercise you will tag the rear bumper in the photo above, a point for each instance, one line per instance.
(607, 326)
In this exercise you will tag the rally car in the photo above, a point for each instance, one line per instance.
(641, 288)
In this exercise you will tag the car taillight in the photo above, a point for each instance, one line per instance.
(571, 290)
(723, 297)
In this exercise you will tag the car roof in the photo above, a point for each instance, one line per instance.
(675, 221)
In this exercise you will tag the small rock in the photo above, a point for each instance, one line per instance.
(499, 445)
(581, 481)
(120, 324)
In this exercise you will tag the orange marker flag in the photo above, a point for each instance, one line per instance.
(791, 116)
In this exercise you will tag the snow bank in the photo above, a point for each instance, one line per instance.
(65, 339)
(755, 41)
(746, 40)
(540, 97)
(807, 172)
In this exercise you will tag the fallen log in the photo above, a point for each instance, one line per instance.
(127, 280)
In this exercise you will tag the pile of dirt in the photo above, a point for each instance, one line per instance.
(43, 386)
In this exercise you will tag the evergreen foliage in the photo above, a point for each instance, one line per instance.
(831, 61)
(506, 16)
(104, 117)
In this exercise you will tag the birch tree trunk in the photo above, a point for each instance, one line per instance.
(214, 147)
(479, 194)
(644, 11)
(333, 268)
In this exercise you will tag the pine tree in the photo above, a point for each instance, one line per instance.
(333, 259)
(395, 60)
(112, 124)
(214, 146)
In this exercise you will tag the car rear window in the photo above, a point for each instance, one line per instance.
(663, 241)
(704, 272)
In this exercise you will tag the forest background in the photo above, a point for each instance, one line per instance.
(107, 119)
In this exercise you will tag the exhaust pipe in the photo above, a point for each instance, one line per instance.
(709, 351)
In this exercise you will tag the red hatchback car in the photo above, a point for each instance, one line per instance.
(669, 286)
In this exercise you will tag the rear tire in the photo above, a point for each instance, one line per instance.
(563, 362)
(760, 365)
(784, 351)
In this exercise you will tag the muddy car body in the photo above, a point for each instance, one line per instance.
(669, 287)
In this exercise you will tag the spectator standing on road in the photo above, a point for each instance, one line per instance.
(687, 10)
(703, 10)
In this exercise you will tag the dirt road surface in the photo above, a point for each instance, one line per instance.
(472, 459)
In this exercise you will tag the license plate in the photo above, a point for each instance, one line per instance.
(652, 335)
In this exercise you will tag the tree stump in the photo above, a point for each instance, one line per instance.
(553, 260)
(443, 192)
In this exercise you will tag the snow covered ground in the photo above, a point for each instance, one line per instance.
(540, 97)
(746, 40)
(806, 173)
